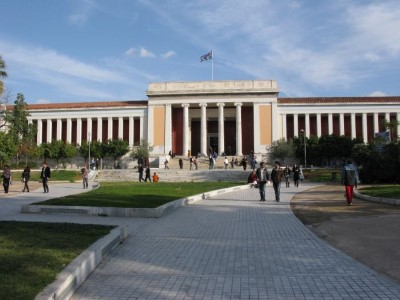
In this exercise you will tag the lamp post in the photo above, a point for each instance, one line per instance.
(89, 138)
(305, 148)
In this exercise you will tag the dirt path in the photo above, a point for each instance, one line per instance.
(17, 186)
(367, 231)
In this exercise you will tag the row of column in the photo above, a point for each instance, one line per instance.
(89, 130)
(330, 124)
(221, 129)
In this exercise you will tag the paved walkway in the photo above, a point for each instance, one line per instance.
(228, 247)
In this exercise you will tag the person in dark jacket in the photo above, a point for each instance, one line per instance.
(296, 175)
(140, 170)
(349, 180)
(276, 177)
(147, 174)
(26, 174)
(286, 173)
(44, 176)
(262, 178)
(6, 178)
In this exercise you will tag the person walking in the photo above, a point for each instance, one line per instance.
(26, 174)
(6, 178)
(286, 173)
(296, 175)
(349, 180)
(45, 174)
(195, 162)
(180, 163)
(262, 178)
(232, 162)
(85, 177)
(226, 162)
(191, 163)
(244, 163)
(140, 170)
(276, 177)
(147, 174)
(166, 164)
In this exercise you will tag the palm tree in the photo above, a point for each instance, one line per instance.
(3, 74)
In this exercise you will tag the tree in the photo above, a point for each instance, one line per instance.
(3, 74)
(360, 153)
(117, 148)
(142, 150)
(7, 148)
(22, 133)
(281, 149)
(392, 127)
(58, 150)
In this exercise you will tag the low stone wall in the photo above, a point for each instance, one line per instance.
(69, 280)
(126, 212)
(377, 199)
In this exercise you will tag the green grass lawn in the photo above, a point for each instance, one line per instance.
(56, 175)
(321, 175)
(138, 194)
(32, 254)
(384, 191)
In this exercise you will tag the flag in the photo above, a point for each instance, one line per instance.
(207, 56)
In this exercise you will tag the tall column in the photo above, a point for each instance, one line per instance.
(365, 127)
(79, 131)
(89, 133)
(274, 121)
(49, 130)
(185, 128)
(110, 128)
(221, 129)
(141, 129)
(120, 128)
(238, 128)
(307, 125)
(319, 125)
(387, 117)
(39, 131)
(376, 122)
(295, 125)
(59, 129)
(99, 129)
(353, 125)
(168, 129)
(131, 132)
(203, 131)
(284, 128)
(330, 124)
(69, 130)
(341, 123)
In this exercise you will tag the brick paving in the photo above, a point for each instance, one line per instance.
(231, 247)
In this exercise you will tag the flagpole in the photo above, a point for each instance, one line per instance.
(212, 66)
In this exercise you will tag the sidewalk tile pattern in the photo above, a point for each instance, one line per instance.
(232, 247)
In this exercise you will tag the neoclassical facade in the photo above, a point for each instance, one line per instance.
(232, 117)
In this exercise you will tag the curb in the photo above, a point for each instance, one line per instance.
(377, 199)
(126, 212)
(73, 275)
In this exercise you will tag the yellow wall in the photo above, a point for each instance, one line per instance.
(159, 125)
(265, 124)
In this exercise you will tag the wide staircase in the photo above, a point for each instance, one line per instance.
(175, 174)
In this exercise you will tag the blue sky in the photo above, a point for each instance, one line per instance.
(100, 50)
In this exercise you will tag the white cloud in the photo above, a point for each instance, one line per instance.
(82, 13)
(168, 54)
(143, 52)
(378, 94)
(130, 52)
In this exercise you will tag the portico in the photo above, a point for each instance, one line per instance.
(198, 116)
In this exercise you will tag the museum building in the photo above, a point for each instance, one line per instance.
(232, 117)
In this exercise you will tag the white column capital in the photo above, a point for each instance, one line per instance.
(221, 104)
(203, 104)
(238, 104)
(185, 105)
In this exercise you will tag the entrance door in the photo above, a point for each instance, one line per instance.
(213, 141)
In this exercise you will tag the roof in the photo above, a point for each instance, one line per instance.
(75, 105)
(333, 100)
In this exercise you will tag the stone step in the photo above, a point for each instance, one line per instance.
(176, 175)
